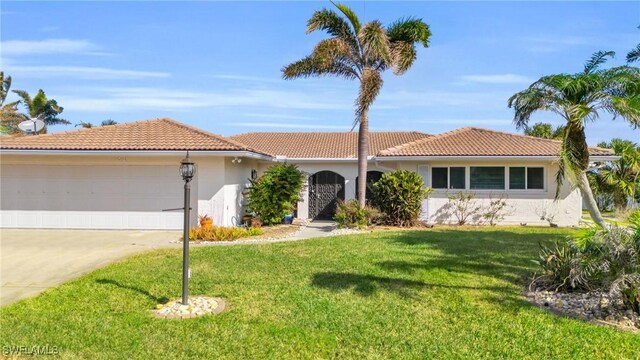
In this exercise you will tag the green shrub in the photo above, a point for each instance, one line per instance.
(399, 196)
(220, 233)
(274, 194)
(599, 259)
(350, 215)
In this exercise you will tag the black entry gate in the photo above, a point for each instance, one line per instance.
(325, 189)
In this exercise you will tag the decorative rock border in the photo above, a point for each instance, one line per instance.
(596, 307)
(198, 306)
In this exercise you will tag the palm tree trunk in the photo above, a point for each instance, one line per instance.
(363, 154)
(590, 201)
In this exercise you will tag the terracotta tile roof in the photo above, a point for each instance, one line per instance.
(323, 144)
(156, 134)
(470, 141)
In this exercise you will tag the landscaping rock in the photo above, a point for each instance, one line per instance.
(198, 305)
(596, 306)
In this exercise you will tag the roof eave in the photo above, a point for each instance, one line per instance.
(221, 153)
(487, 157)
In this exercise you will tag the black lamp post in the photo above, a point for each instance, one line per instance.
(187, 171)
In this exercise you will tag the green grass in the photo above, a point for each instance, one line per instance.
(441, 293)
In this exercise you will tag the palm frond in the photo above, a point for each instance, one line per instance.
(596, 60)
(409, 30)
(403, 55)
(26, 98)
(311, 66)
(334, 25)
(375, 43)
(634, 54)
(4, 88)
(370, 85)
(353, 18)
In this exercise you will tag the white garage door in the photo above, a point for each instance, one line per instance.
(91, 197)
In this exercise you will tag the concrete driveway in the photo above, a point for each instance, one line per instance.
(32, 261)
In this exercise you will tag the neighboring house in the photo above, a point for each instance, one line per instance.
(123, 176)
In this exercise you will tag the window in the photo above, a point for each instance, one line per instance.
(448, 178)
(517, 178)
(457, 178)
(486, 177)
(439, 178)
(530, 178)
(535, 178)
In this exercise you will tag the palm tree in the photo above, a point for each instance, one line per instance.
(41, 107)
(623, 175)
(579, 99)
(9, 115)
(360, 52)
(545, 131)
(84, 125)
(108, 122)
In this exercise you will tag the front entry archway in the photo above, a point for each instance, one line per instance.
(326, 188)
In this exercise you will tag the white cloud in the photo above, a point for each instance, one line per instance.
(280, 125)
(463, 122)
(246, 78)
(421, 99)
(82, 72)
(48, 46)
(137, 98)
(279, 116)
(497, 79)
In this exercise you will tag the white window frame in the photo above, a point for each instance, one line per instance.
(466, 177)
(526, 178)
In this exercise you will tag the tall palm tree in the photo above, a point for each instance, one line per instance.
(41, 107)
(360, 52)
(579, 99)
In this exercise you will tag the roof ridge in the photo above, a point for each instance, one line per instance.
(423, 140)
(82, 129)
(210, 134)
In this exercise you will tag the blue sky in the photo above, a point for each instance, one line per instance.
(216, 65)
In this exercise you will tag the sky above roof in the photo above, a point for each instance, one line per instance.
(216, 65)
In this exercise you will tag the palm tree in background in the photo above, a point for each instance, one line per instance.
(9, 115)
(41, 107)
(360, 52)
(622, 176)
(108, 122)
(544, 131)
(634, 55)
(579, 99)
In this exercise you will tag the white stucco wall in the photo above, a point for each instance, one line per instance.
(348, 170)
(101, 192)
(523, 206)
(214, 191)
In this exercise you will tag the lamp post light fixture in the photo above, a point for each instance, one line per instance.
(187, 171)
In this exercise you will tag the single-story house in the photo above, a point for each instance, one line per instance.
(125, 176)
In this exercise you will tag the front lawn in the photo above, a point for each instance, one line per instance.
(440, 293)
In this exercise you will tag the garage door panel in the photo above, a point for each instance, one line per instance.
(101, 197)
